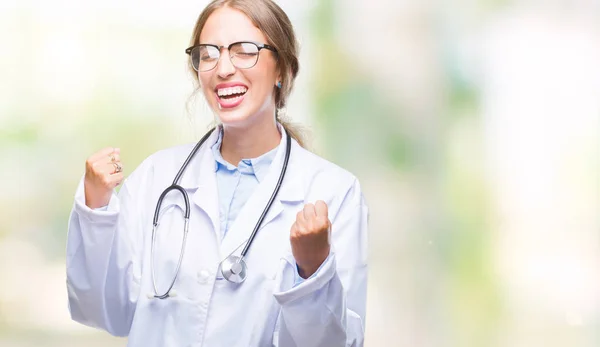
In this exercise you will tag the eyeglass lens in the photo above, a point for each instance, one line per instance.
(243, 55)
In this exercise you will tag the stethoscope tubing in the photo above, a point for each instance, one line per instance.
(233, 276)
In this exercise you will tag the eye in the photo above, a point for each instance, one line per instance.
(208, 53)
(245, 55)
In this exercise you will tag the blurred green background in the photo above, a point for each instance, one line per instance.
(473, 126)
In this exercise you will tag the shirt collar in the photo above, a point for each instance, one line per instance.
(258, 166)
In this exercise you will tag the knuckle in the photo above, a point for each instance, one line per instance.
(95, 165)
(297, 229)
(105, 181)
(322, 221)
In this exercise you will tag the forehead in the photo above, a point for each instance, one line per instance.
(226, 25)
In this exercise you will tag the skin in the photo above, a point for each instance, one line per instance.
(250, 130)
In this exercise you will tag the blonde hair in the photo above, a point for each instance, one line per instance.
(277, 27)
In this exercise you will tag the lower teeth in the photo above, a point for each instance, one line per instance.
(231, 97)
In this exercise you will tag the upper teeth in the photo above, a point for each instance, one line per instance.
(231, 90)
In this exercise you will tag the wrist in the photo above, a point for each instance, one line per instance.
(93, 201)
(305, 270)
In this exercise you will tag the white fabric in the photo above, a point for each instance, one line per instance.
(108, 259)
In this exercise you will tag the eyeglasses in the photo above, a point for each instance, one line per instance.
(243, 55)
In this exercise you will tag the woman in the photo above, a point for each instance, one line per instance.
(294, 275)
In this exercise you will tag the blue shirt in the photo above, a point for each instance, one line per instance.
(235, 185)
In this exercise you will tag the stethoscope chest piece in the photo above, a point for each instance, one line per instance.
(234, 269)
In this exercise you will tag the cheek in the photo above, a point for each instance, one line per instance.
(262, 85)
(204, 83)
(202, 80)
(263, 74)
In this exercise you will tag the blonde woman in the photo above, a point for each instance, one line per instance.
(243, 239)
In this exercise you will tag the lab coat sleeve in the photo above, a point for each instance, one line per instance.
(103, 260)
(328, 309)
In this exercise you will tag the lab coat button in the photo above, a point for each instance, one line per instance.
(203, 276)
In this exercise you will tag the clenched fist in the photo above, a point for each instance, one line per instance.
(103, 172)
(309, 237)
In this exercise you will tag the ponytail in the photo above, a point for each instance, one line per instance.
(294, 130)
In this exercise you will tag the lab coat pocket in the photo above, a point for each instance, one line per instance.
(174, 315)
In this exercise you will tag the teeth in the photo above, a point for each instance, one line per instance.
(232, 90)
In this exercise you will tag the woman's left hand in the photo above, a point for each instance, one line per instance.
(309, 237)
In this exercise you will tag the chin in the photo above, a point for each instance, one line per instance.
(232, 118)
(240, 116)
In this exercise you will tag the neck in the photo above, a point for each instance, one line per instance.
(250, 141)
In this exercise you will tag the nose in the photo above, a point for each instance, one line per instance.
(224, 66)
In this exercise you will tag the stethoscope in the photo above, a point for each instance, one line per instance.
(233, 268)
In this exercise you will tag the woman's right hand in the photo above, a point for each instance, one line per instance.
(103, 172)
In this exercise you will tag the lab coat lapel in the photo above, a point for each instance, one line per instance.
(201, 174)
(207, 197)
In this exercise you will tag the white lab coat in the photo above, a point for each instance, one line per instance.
(109, 273)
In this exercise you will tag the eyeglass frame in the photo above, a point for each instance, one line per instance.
(260, 46)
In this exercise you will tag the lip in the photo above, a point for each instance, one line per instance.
(229, 85)
(223, 103)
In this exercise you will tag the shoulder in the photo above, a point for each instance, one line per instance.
(325, 180)
(171, 154)
(164, 162)
(318, 168)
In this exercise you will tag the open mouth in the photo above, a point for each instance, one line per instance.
(231, 96)
(231, 93)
